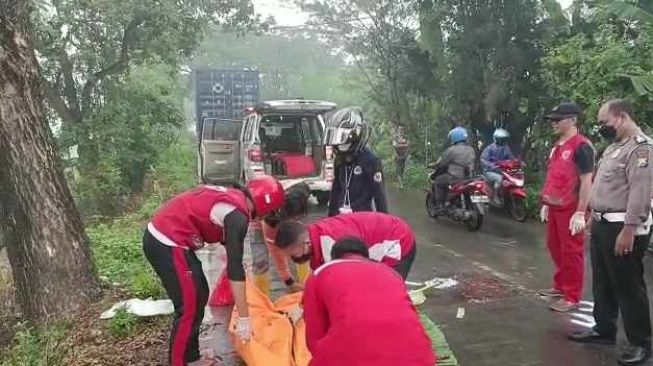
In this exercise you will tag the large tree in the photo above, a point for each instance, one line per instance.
(47, 247)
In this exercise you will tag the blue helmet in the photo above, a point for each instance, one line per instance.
(458, 134)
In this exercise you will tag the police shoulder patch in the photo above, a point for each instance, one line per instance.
(378, 177)
(642, 158)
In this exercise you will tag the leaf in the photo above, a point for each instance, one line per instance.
(623, 9)
(643, 84)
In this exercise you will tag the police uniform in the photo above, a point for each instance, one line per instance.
(358, 183)
(621, 194)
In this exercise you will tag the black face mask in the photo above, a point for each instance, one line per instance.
(303, 259)
(608, 132)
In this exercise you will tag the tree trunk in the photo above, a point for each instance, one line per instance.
(48, 250)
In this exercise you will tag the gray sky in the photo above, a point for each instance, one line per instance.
(286, 13)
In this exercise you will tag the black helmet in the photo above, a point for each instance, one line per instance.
(346, 130)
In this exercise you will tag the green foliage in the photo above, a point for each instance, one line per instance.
(36, 347)
(122, 324)
(141, 115)
(117, 245)
(591, 70)
(291, 63)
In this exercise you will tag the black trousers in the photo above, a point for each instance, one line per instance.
(183, 279)
(618, 285)
(404, 265)
(441, 185)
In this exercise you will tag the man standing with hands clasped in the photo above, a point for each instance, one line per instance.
(565, 196)
(621, 222)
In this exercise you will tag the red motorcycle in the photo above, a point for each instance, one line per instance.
(512, 194)
(466, 201)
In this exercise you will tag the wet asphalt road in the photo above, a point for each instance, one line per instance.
(499, 270)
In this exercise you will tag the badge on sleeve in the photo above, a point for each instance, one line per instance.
(378, 177)
(642, 158)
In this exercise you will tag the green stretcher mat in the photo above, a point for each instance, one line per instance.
(439, 342)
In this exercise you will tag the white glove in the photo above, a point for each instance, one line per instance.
(544, 213)
(243, 329)
(295, 314)
(577, 223)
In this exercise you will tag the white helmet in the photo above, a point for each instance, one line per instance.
(500, 136)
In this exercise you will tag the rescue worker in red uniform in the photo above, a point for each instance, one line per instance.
(389, 239)
(565, 196)
(357, 312)
(205, 214)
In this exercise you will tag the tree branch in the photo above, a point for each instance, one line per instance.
(57, 103)
(70, 89)
(120, 65)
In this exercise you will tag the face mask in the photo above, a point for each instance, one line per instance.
(608, 132)
(344, 147)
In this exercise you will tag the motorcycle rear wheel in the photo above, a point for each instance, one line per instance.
(475, 221)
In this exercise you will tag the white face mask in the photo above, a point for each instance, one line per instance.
(344, 147)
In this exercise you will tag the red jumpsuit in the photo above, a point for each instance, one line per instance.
(560, 193)
(181, 226)
(390, 239)
(357, 312)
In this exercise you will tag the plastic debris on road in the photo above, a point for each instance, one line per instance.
(418, 294)
(141, 308)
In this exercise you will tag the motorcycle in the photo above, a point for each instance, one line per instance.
(512, 195)
(466, 201)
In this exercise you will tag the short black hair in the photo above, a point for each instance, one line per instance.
(295, 204)
(619, 106)
(288, 233)
(349, 245)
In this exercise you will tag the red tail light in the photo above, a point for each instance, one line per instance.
(254, 154)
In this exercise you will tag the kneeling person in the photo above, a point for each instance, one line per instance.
(342, 328)
(389, 239)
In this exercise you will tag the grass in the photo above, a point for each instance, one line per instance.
(36, 347)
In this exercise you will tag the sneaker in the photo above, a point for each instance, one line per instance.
(550, 293)
(563, 306)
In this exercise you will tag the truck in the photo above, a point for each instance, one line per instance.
(224, 94)
(221, 98)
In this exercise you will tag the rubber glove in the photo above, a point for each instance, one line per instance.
(295, 314)
(243, 329)
(577, 223)
(544, 213)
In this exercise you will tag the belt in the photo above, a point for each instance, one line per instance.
(642, 229)
(609, 216)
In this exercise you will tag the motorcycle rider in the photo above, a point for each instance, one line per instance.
(454, 165)
(358, 174)
(492, 154)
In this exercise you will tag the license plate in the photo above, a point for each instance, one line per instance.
(480, 199)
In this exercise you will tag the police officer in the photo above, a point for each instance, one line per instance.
(358, 173)
(455, 164)
(620, 224)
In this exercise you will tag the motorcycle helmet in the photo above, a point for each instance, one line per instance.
(266, 193)
(458, 134)
(500, 136)
(346, 130)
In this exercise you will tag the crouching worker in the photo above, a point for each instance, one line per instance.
(295, 208)
(389, 239)
(342, 328)
(206, 214)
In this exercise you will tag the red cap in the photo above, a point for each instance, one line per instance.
(267, 194)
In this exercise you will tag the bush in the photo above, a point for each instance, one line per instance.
(122, 324)
(36, 347)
